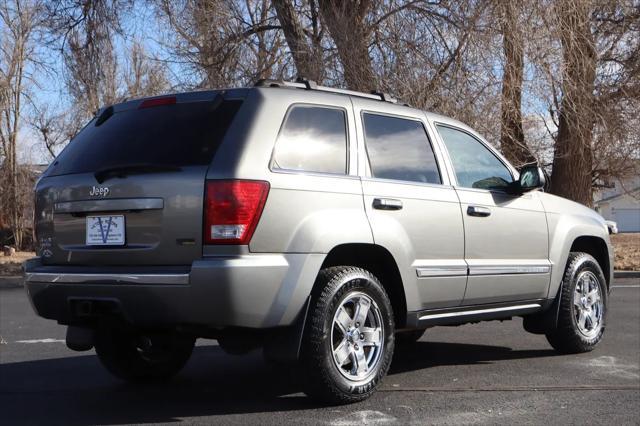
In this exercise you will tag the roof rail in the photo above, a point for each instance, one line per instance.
(303, 83)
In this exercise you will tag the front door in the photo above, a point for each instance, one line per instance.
(506, 237)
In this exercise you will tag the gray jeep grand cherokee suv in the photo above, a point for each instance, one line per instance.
(322, 225)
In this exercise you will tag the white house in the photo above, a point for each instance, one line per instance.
(621, 203)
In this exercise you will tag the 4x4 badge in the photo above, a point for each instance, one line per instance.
(101, 191)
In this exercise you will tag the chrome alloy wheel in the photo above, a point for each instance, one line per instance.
(357, 336)
(588, 304)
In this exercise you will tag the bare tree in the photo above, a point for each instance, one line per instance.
(216, 40)
(143, 77)
(350, 32)
(572, 162)
(489, 64)
(20, 20)
(55, 128)
(261, 44)
(512, 141)
(85, 30)
(616, 135)
(305, 44)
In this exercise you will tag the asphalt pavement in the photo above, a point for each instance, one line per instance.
(487, 373)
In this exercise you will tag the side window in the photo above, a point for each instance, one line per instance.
(399, 149)
(475, 166)
(312, 139)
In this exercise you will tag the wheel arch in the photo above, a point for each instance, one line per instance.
(596, 247)
(380, 262)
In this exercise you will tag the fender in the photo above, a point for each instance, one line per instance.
(564, 229)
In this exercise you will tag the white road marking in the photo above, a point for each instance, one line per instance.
(41, 341)
(626, 286)
(612, 366)
(366, 417)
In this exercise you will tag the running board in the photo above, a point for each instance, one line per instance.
(467, 314)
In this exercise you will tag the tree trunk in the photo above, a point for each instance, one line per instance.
(303, 55)
(345, 21)
(16, 212)
(512, 141)
(572, 162)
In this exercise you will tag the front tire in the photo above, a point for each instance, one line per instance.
(583, 304)
(349, 337)
(142, 357)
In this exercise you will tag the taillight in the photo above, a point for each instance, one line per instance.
(150, 103)
(232, 209)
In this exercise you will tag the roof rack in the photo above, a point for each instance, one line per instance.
(306, 84)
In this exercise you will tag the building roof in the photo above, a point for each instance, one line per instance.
(613, 197)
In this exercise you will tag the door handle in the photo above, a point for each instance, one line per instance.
(387, 204)
(478, 211)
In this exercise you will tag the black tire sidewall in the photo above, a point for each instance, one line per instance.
(326, 305)
(566, 338)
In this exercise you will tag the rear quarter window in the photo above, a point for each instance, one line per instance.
(182, 134)
(312, 139)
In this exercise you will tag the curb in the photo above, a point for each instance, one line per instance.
(11, 281)
(626, 274)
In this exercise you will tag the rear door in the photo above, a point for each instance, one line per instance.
(412, 208)
(506, 237)
(128, 189)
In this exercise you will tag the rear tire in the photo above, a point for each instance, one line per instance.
(583, 305)
(139, 357)
(348, 341)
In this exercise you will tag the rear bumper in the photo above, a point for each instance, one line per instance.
(252, 290)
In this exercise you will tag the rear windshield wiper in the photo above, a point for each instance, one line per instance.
(131, 169)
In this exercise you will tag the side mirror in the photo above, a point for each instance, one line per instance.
(531, 177)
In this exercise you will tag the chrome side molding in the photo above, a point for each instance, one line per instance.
(509, 269)
(463, 270)
(442, 271)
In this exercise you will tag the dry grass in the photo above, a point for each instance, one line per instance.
(626, 246)
(12, 265)
(627, 249)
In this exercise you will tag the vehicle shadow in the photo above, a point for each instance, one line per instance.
(77, 390)
(419, 355)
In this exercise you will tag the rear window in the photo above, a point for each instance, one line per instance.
(183, 134)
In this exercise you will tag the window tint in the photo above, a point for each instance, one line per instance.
(399, 149)
(475, 166)
(183, 134)
(313, 139)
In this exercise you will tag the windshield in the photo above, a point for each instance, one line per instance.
(183, 134)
